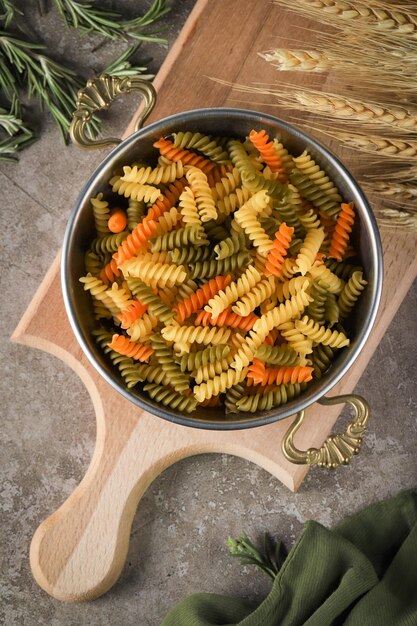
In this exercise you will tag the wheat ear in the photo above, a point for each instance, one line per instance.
(330, 54)
(391, 218)
(390, 190)
(352, 108)
(377, 16)
(300, 60)
(376, 144)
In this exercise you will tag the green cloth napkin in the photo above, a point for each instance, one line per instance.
(361, 573)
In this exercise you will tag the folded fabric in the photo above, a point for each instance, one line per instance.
(361, 573)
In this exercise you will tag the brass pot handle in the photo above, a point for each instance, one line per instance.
(98, 94)
(337, 449)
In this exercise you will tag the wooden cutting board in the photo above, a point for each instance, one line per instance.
(79, 551)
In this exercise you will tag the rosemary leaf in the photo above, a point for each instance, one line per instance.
(121, 66)
(8, 12)
(8, 86)
(136, 28)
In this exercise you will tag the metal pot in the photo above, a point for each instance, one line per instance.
(234, 122)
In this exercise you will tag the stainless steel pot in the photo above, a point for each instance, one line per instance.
(138, 147)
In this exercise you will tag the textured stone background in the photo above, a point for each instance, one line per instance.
(48, 425)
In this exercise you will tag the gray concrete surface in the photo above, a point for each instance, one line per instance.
(48, 425)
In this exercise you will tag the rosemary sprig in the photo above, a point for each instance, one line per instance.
(92, 19)
(18, 135)
(53, 84)
(268, 558)
(121, 66)
(8, 12)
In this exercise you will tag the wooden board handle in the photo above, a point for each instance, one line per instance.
(78, 552)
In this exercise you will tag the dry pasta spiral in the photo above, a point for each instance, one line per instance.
(101, 212)
(99, 290)
(279, 250)
(147, 296)
(193, 235)
(207, 145)
(189, 256)
(231, 245)
(291, 287)
(218, 384)
(168, 199)
(261, 375)
(202, 193)
(340, 237)
(136, 351)
(266, 149)
(134, 241)
(208, 269)
(142, 327)
(309, 249)
(161, 274)
(179, 380)
(132, 312)
(246, 217)
(168, 149)
(227, 185)
(258, 294)
(195, 360)
(168, 397)
(233, 201)
(120, 296)
(309, 167)
(296, 340)
(146, 175)
(188, 207)
(197, 300)
(136, 191)
(351, 292)
(167, 222)
(206, 372)
(282, 313)
(324, 275)
(266, 401)
(226, 319)
(277, 355)
(309, 190)
(196, 334)
(321, 334)
(108, 243)
(235, 290)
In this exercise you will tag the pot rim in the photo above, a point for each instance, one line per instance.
(249, 420)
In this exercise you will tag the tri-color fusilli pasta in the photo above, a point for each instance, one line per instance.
(227, 282)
